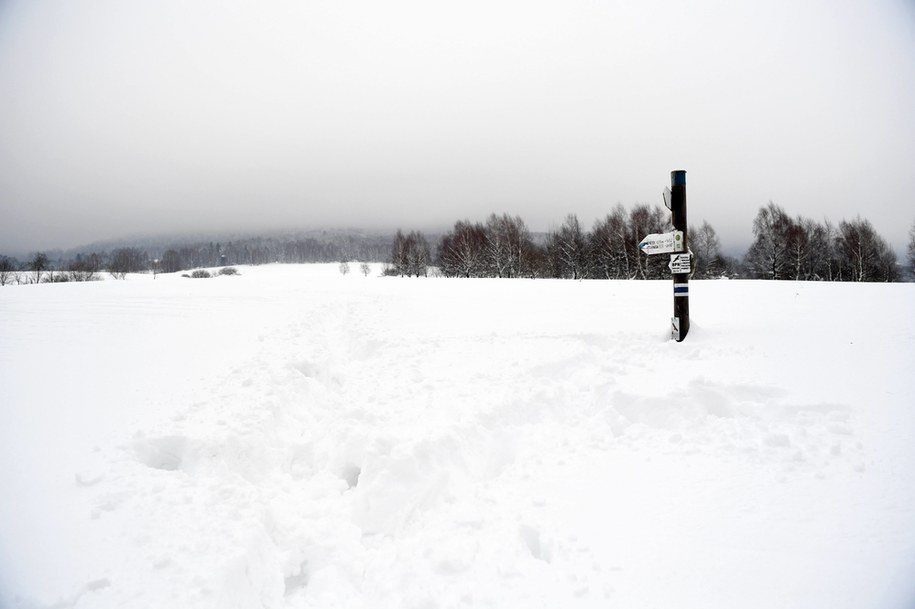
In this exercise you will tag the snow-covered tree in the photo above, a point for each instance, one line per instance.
(865, 255)
(410, 254)
(498, 250)
(911, 250)
(608, 255)
(566, 249)
(462, 252)
(706, 247)
(508, 243)
(645, 220)
(769, 254)
(418, 257)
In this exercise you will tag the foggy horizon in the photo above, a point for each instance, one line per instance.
(143, 118)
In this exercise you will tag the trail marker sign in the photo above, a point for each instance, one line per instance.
(663, 243)
(679, 263)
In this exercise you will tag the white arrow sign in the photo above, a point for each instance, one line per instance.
(664, 243)
(679, 263)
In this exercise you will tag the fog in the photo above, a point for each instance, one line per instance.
(122, 117)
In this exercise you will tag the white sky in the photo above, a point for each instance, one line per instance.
(121, 116)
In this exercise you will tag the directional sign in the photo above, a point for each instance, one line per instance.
(679, 263)
(664, 243)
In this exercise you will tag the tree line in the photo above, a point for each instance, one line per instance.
(503, 246)
(322, 246)
(803, 249)
(783, 248)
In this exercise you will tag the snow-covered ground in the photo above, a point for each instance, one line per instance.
(293, 437)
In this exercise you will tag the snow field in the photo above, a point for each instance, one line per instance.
(295, 438)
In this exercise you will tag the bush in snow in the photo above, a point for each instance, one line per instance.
(229, 270)
(200, 274)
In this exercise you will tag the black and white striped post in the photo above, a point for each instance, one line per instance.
(679, 262)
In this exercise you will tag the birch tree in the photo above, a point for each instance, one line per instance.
(865, 255)
(706, 246)
(566, 249)
(643, 220)
(508, 244)
(608, 255)
(410, 254)
(462, 252)
(768, 256)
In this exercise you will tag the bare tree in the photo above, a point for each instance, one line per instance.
(508, 244)
(8, 268)
(344, 268)
(798, 249)
(84, 268)
(39, 264)
(567, 250)
(522, 250)
(418, 257)
(171, 261)
(768, 256)
(365, 268)
(827, 264)
(126, 260)
(911, 249)
(400, 257)
(498, 250)
(643, 220)
(410, 254)
(705, 245)
(608, 256)
(462, 252)
(865, 255)
(820, 250)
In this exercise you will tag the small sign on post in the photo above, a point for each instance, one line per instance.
(663, 243)
(679, 263)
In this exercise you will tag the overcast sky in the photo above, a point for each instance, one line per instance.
(120, 117)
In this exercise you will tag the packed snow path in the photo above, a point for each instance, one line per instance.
(292, 437)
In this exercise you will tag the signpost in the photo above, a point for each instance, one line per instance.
(679, 323)
(675, 244)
